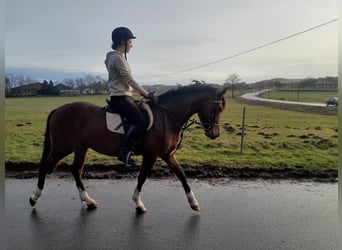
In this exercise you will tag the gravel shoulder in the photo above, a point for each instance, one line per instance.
(30, 170)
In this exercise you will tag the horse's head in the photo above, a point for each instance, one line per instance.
(210, 114)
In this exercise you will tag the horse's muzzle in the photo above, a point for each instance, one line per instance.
(212, 133)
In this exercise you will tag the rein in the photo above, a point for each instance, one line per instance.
(187, 125)
(182, 128)
(208, 125)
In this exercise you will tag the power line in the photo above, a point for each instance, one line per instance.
(251, 50)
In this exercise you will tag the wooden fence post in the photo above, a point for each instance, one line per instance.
(243, 129)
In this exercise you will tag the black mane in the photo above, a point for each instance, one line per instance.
(186, 90)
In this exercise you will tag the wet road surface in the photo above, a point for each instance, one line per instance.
(234, 215)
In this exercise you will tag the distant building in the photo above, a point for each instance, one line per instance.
(65, 90)
(34, 89)
(69, 92)
(31, 89)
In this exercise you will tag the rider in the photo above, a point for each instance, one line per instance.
(121, 86)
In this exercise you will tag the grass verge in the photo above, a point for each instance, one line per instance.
(274, 138)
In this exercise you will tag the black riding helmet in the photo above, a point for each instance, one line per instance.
(120, 35)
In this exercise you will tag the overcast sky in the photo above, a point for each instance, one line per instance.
(61, 39)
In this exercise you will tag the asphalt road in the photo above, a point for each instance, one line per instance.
(255, 96)
(234, 215)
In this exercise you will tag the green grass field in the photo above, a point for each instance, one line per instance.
(302, 96)
(274, 137)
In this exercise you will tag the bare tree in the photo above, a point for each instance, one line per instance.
(69, 82)
(231, 81)
(8, 86)
(80, 85)
(88, 79)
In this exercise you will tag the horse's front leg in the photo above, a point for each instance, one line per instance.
(139, 205)
(147, 164)
(177, 169)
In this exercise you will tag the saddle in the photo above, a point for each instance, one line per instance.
(118, 124)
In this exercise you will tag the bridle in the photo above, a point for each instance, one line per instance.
(207, 126)
(211, 122)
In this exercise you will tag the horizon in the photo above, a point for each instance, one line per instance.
(60, 77)
(56, 82)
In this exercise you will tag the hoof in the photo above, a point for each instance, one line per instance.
(32, 202)
(92, 206)
(140, 210)
(196, 208)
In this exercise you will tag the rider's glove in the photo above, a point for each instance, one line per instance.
(151, 97)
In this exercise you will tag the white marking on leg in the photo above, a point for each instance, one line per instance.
(136, 198)
(87, 199)
(193, 201)
(36, 194)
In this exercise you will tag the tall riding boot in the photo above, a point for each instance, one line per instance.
(130, 139)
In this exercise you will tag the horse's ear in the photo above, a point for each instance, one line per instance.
(222, 93)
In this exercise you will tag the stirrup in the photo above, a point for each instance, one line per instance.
(129, 161)
(126, 158)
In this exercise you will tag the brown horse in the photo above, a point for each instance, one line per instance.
(76, 127)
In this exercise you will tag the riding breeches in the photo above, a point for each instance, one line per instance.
(127, 108)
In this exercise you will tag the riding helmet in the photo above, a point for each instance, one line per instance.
(121, 34)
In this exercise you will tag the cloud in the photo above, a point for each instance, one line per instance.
(74, 36)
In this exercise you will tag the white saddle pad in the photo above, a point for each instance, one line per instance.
(114, 123)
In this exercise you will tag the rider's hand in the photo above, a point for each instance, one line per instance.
(152, 98)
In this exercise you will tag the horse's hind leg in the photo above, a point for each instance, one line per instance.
(44, 166)
(77, 170)
(39, 189)
(177, 169)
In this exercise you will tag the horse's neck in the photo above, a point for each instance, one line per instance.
(181, 111)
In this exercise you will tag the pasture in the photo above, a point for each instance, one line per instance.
(273, 137)
(302, 96)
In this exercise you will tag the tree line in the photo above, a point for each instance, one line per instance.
(234, 83)
(85, 85)
(97, 85)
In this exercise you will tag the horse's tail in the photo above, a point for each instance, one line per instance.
(47, 140)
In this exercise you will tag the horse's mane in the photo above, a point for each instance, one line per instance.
(186, 90)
